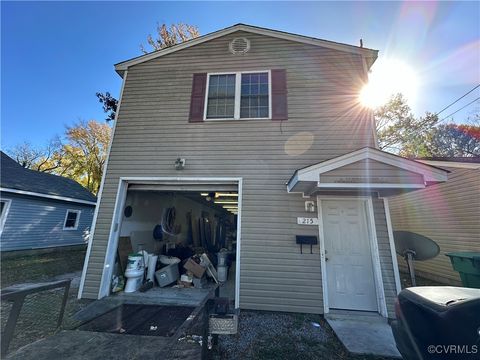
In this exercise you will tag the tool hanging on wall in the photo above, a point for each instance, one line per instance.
(168, 222)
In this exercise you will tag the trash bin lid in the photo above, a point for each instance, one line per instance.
(464, 254)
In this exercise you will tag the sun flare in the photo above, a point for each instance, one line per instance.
(389, 77)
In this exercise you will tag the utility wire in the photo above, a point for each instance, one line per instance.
(463, 107)
(460, 98)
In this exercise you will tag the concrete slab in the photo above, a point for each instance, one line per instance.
(364, 333)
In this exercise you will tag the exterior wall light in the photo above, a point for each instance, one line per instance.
(179, 164)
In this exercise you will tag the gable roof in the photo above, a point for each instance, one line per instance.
(452, 162)
(370, 55)
(16, 178)
(310, 174)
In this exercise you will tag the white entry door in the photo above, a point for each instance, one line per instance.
(349, 268)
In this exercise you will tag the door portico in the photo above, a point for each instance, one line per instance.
(354, 272)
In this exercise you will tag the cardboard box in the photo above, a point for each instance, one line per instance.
(196, 269)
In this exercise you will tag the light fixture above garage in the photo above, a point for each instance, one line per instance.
(226, 202)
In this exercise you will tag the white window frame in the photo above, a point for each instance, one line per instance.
(238, 95)
(4, 214)
(77, 220)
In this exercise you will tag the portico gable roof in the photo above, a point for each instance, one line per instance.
(365, 169)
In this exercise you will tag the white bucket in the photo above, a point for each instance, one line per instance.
(135, 262)
(222, 272)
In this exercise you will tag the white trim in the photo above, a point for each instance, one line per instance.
(323, 264)
(99, 195)
(47, 196)
(4, 214)
(111, 250)
(313, 172)
(368, 53)
(239, 240)
(77, 220)
(380, 292)
(238, 93)
(370, 185)
(377, 268)
(391, 241)
(112, 245)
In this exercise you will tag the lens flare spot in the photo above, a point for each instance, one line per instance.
(299, 143)
(389, 77)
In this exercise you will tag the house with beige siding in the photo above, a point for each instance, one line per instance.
(447, 213)
(257, 140)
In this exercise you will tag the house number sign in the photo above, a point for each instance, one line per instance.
(307, 221)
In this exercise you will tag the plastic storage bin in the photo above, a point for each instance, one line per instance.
(167, 275)
(468, 265)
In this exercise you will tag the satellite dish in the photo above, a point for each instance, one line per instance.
(413, 246)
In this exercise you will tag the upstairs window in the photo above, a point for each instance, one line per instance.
(241, 95)
(71, 220)
(221, 97)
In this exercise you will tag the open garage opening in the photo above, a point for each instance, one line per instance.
(185, 236)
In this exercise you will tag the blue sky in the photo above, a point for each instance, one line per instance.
(56, 55)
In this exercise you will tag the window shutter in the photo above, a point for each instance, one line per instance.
(197, 101)
(279, 94)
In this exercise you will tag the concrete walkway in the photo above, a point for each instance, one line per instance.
(364, 333)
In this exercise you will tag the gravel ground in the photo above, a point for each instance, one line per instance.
(271, 335)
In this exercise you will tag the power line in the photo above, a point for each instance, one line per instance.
(460, 98)
(463, 107)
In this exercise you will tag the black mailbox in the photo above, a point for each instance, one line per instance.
(308, 240)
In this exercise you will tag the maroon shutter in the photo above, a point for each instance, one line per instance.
(279, 95)
(197, 101)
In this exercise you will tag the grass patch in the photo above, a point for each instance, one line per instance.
(39, 315)
(40, 267)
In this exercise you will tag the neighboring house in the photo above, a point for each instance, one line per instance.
(447, 213)
(40, 210)
(272, 120)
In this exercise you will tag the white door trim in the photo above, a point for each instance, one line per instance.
(112, 245)
(377, 271)
(396, 272)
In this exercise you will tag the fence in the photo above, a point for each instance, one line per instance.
(31, 311)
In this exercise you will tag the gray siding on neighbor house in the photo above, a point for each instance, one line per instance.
(384, 251)
(153, 130)
(33, 223)
(375, 171)
(449, 214)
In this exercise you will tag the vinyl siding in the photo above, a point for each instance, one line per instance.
(449, 214)
(384, 251)
(375, 170)
(153, 130)
(35, 223)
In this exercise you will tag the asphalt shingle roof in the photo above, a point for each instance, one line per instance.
(15, 176)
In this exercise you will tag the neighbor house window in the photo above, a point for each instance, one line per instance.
(4, 207)
(241, 95)
(71, 220)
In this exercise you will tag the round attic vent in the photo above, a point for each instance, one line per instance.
(239, 46)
